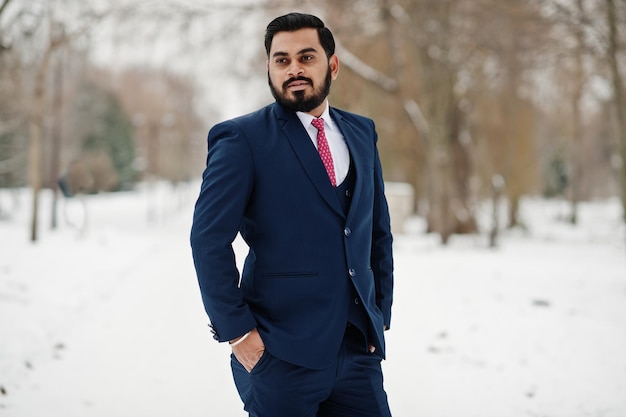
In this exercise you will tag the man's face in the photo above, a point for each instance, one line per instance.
(299, 73)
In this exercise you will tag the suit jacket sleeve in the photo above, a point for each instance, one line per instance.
(226, 187)
(382, 257)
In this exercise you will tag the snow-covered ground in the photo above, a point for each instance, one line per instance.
(109, 322)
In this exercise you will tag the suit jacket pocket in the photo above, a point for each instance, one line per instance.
(288, 275)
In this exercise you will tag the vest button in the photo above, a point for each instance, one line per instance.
(356, 300)
(348, 193)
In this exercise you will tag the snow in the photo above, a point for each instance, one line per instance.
(109, 321)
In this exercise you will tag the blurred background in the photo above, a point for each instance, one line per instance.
(502, 124)
(474, 100)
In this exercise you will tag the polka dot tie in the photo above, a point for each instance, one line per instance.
(324, 150)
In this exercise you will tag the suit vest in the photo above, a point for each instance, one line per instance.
(357, 315)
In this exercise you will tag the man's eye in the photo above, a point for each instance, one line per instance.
(281, 61)
(307, 57)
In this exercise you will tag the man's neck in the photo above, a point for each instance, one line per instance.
(319, 110)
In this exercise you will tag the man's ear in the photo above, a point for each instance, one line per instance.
(333, 63)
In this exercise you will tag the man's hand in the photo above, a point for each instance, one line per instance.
(372, 348)
(249, 351)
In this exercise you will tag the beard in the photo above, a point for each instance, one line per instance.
(300, 101)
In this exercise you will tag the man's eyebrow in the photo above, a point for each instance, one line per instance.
(307, 50)
(300, 52)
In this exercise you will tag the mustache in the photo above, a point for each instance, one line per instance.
(301, 78)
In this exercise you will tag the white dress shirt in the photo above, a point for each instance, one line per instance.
(336, 142)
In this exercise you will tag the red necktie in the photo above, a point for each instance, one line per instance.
(324, 150)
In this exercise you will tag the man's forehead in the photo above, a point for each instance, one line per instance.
(295, 41)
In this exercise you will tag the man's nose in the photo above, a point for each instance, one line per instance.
(295, 70)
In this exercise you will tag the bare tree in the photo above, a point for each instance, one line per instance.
(577, 114)
(56, 28)
(11, 119)
(162, 107)
(613, 54)
(56, 39)
(577, 58)
(452, 84)
(438, 54)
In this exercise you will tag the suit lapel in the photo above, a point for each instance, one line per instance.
(304, 149)
(356, 155)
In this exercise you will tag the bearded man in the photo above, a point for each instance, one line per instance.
(302, 183)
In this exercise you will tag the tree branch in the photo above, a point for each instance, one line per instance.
(4, 5)
(417, 117)
(364, 70)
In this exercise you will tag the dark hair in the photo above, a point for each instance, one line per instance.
(296, 21)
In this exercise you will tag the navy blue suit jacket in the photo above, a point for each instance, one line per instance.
(265, 180)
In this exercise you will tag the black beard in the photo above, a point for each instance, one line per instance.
(300, 102)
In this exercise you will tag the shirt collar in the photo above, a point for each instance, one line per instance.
(306, 118)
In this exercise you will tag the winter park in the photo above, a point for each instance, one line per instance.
(502, 137)
(110, 322)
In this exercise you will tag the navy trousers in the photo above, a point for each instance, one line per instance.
(352, 387)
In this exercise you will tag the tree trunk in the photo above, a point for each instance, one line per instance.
(441, 79)
(618, 97)
(55, 163)
(497, 185)
(36, 136)
(576, 151)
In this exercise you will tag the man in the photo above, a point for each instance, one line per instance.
(306, 320)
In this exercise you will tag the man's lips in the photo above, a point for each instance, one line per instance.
(296, 85)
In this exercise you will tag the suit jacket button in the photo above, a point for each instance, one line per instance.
(215, 335)
(351, 272)
(347, 231)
